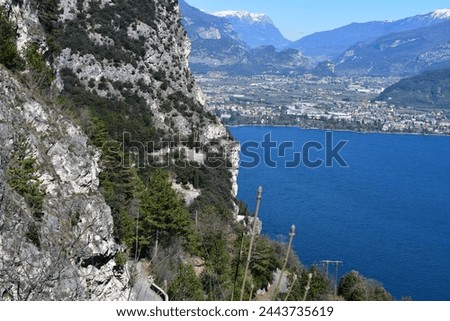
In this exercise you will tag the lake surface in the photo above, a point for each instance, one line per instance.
(386, 215)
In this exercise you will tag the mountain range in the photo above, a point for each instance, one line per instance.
(329, 45)
(214, 42)
(220, 45)
(401, 54)
(255, 29)
(239, 42)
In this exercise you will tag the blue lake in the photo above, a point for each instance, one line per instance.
(386, 215)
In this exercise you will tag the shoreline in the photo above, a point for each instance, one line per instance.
(341, 130)
(311, 258)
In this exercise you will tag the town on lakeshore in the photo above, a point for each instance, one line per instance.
(340, 103)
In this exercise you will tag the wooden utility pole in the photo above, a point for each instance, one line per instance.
(327, 262)
(252, 239)
(336, 264)
(251, 292)
(308, 286)
(277, 288)
(196, 220)
(237, 266)
(336, 269)
(137, 239)
(290, 289)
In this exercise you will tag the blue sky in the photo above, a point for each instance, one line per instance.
(297, 18)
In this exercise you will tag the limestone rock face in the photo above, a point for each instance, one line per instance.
(74, 257)
(56, 237)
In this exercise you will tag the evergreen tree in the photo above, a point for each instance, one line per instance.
(9, 56)
(186, 286)
(162, 214)
(263, 263)
(23, 177)
(319, 286)
(217, 278)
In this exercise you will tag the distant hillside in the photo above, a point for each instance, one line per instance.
(427, 90)
(400, 54)
(328, 45)
(255, 29)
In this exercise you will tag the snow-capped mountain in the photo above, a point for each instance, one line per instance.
(240, 42)
(328, 45)
(244, 15)
(420, 21)
(255, 29)
(402, 54)
(441, 14)
(217, 43)
(214, 42)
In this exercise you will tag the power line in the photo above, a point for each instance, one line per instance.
(336, 269)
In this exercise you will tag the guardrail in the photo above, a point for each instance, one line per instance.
(159, 292)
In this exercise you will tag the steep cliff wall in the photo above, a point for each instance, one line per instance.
(60, 248)
(121, 66)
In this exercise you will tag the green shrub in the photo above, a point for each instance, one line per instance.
(319, 286)
(213, 227)
(33, 234)
(47, 12)
(186, 286)
(354, 287)
(120, 259)
(42, 74)
(9, 56)
(23, 177)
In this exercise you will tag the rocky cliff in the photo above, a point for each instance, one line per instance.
(61, 248)
(121, 66)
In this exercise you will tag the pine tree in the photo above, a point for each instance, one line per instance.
(162, 207)
(23, 177)
(161, 210)
(186, 286)
(9, 55)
